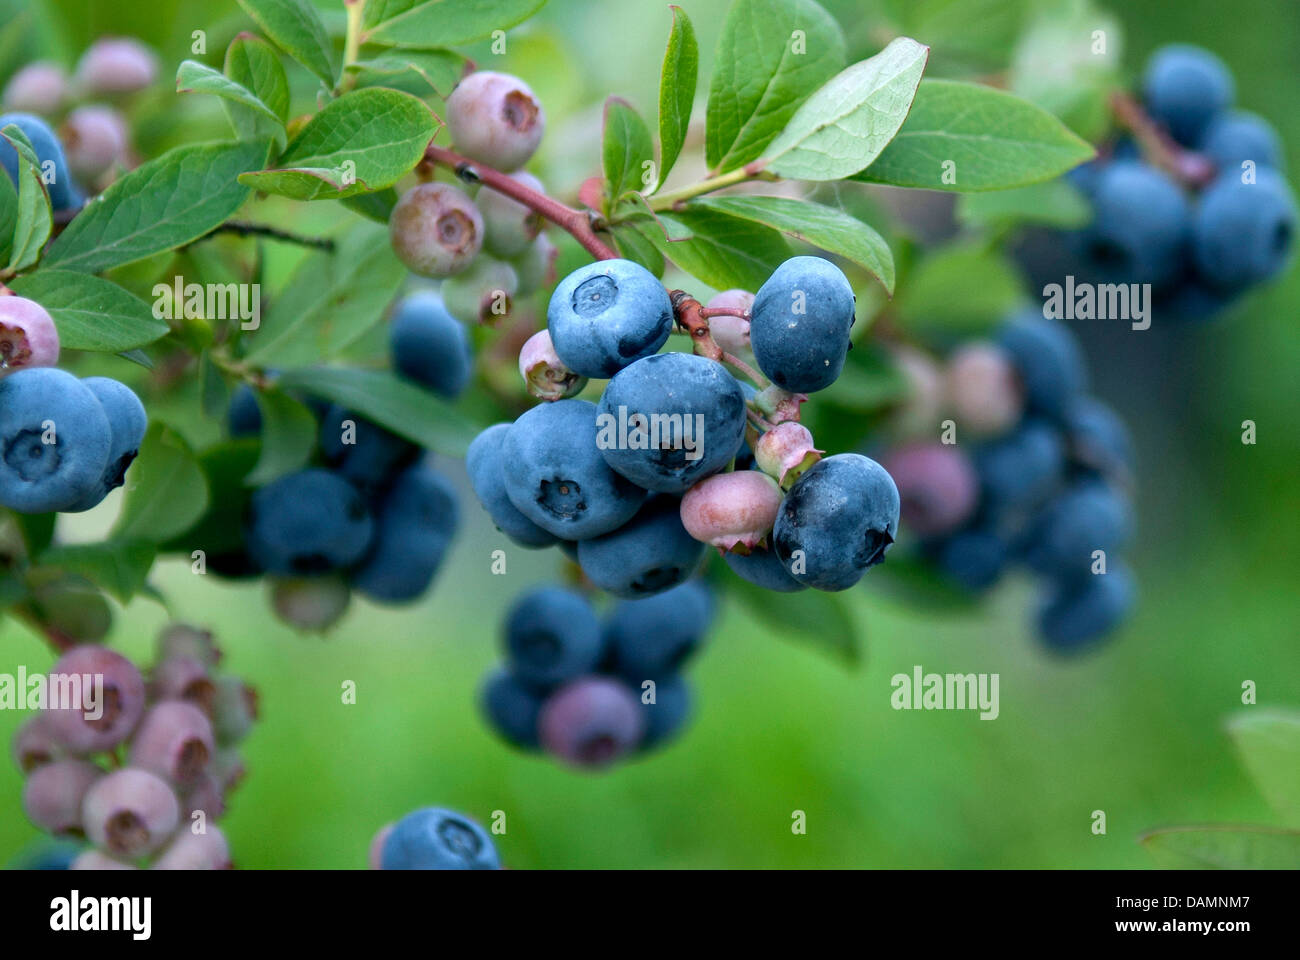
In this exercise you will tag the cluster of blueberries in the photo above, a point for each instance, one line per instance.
(433, 838)
(1236, 229)
(1045, 483)
(590, 694)
(139, 768)
(371, 514)
(64, 442)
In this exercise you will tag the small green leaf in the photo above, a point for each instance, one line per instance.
(626, 151)
(195, 77)
(990, 287)
(966, 137)
(288, 437)
(214, 392)
(450, 23)
(397, 404)
(845, 125)
(161, 205)
(634, 246)
(220, 530)
(819, 620)
(771, 56)
(38, 530)
(33, 221)
(436, 71)
(296, 28)
(165, 490)
(117, 565)
(91, 313)
(253, 63)
(363, 141)
(677, 91)
(825, 227)
(1224, 848)
(722, 251)
(1055, 203)
(1268, 742)
(377, 206)
(8, 217)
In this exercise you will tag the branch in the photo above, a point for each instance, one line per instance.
(1187, 167)
(575, 222)
(243, 229)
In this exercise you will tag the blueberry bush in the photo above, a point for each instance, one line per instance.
(765, 342)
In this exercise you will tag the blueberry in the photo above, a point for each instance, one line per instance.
(1184, 88)
(184, 678)
(244, 418)
(666, 717)
(481, 294)
(183, 640)
(312, 521)
(89, 727)
(551, 636)
(591, 722)
(510, 227)
(1087, 516)
(1048, 360)
(607, 315)
(435, 230)
(429, 345)
(1244, 232)
(234, 710)
(175, 742)
(47, 855)
(762, 567)
(1019, 471)
(556, 476)
(116, 65)
(650, 553)
(545, 375)
(1237, 136)
(53, 794)
(799, 324)
(130, 813)
(984, 388)
(437, 839)
(535, 267)
(937, 485)
(128, 421)
(670, 420)
(39, 87)
(28, 337)
(837, 521)
(495, 118)
(95, 139)
(415, 525)
(35, 744)
(653, 638)
(195, 851)
(361, 451)
(487, 477)
(511, 709)
(1078, 612)
(1098, 438)
(40, 404)
(63, 192)
(975, 558)
(1141, 226)
(732, 511)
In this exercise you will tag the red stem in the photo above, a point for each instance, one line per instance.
(1186, 166)
(709, 312)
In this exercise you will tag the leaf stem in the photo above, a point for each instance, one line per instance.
(675, 198)
(352, 44)
(1187, 167)
(575, 222)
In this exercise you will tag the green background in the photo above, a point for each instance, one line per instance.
(1135, 730)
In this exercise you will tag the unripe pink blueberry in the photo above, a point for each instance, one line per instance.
(786, 451)
(436, 230)
(53, 794)
(545, 375)
(208, 850)
(535, 267)
(732, 511)
(509, 227)
(481, 294)
(130, 813)
(375, 856)
(182, 640)
(39, 87)
(310, 603)
(234, 711)
(495, 118)
(206, 795)
(35, 744)
(184, 678)
(123, 696)
(921, 409)
(731, 333)
(984, 390)
(228, 769)
(591, 722)
(94, 138)
(116, 65)
(28, 337)
(175, 742)
(96, 860)
(937, 486)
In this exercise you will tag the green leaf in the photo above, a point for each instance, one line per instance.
(288, 437)
(989, 287)
(1268, 742)
(296, 28)
(771, 56)
(195, 77)
(91, 313)
(253, 63)
(38, 530)
(1224, 848)
(159, 206)
(221, 528)
(965, 137)
(402, 407)
(214, 392)
(363, 141)
(331, 300)
(825, 227)
(723, 251)
(966, 36)
(117, 565)
(450, 23)
(166, 492)
(633, 245)
(377, 206)
(845, 125)
(677, 91)
(820, 620)
(436, 71)
(33, 220)
(1055, 203)
(626, 150)
(8, 217)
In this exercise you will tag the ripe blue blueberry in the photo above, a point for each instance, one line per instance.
(64, 194)
(647, 555)
(607, 314)
(487, 477)
(1048, 359)
(1184, 88)
(556, 476)
(1087, 516)
(312, 521)
(670, 420)
(799, 324)
(1141, 225)
(1078, 612)
(429, 345)
(1244, 233)
(1098, 438)
(591, 722)
(974, 558)
(128, 422)
(361, 451)
(244, 418)
(551, 636)
(54, 440)
(762, 567)
(437, 839)
(1019, 471)
(416, 522)
(837, 521)
(511, 708)
(653, 638)
(1239, 135)
(666, 717)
